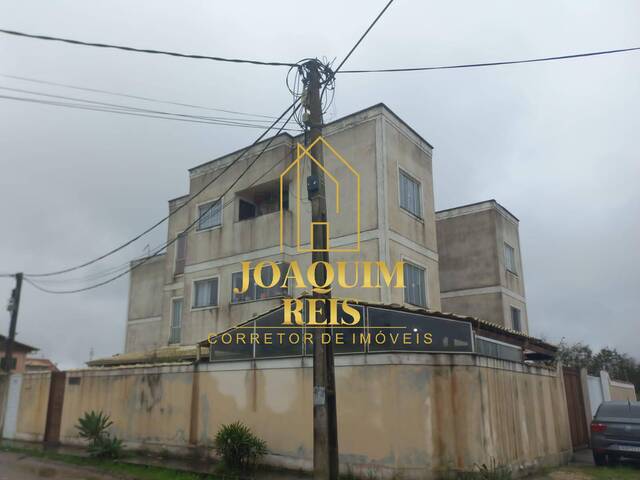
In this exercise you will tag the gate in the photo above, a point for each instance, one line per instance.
(13, 402)
(575, 406)
(54, 408)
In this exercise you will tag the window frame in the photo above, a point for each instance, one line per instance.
(171, 326)
(414, 179)
(175, 254)
(513, 308)
(512, 270)
(193, 293)
(219, 225)
(284, 294)
(425, 277)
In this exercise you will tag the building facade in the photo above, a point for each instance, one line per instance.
(481, 264)
(186, 294)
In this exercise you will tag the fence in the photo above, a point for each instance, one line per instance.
(399, 414)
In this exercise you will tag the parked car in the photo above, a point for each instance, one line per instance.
(615, 432)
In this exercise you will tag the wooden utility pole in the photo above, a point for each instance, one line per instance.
(325, 428)
(15, 305)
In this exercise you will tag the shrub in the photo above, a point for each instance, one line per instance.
(93, 427)
(237, 445)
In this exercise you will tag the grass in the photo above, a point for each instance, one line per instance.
(596, 473)
(116, 468)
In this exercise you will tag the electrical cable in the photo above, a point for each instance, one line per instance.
(173, 212)
(144, 50)
(493, 64)
(243, 122)
(137, 97)
(189, 227)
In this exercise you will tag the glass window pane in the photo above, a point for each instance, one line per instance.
(276, 340)
(410, 194)
(176, 321)
(392, 330)
(206, 293)
(209, 214)
(415, 291)
(233, 345)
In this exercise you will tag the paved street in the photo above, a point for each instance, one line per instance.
(14, 466)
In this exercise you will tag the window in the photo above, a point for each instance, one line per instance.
(495, 349)
(410, 195)
(516, 320)
(255, 292)
(12, 363)
(261, 200)
(181, 253)
(414, 285)
(510, 258)
(175, 335)
(209, 215)
(205, 293)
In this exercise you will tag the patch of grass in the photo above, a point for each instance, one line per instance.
(605, 473)
(141, 472)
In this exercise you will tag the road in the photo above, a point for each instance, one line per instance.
(15, 466)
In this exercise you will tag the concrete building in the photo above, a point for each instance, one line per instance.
(18, 355)
(182, 296)
(481, 264)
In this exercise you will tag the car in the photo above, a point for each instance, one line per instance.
(615, 432)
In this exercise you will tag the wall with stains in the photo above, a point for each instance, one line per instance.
(407, 414)
(32, 411)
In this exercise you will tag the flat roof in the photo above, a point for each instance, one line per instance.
(469, 207)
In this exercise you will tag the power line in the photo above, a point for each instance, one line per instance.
(165, 116)
(189, 227)
(137, 97)
(229, 120)
(144, 50)
(180, 207)
(493, 64)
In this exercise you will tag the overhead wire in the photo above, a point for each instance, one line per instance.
(293, 107)
(144, 50)
(137, 112)
(136, 97)
(492, 64)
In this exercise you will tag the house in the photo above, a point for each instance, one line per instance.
(380, 203)
(18, 355)
(40, 365)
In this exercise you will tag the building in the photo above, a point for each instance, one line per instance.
(40, 365)
(481, 264)
(185, 294)
(18, 355)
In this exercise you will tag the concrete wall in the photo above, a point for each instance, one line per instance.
(144, 319)
(34, 401)
(399, 414)
(623, 391)
(474, 279)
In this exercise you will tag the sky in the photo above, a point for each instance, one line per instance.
(555, 143)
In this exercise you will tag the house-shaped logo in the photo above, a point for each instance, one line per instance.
(301, 153)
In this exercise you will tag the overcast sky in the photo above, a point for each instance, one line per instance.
(555, 143)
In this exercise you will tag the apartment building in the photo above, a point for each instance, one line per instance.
(187, 293)
(182, 296)
(481, 264)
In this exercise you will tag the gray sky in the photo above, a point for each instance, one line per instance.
(553, 142)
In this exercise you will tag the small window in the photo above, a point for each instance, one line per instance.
(205, 293)
(181, 253)
(255, 292)
(510, 258)
(516, 319)
(261, 200)
(415, 291)
(74, 380)
(175, 336)
(12, 363)
(209, 215)
(410, 195)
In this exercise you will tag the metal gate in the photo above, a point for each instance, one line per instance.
(11, 410)
(575, 406)
(54, 409)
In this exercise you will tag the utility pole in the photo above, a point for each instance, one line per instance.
(325, 424)
(14, 306)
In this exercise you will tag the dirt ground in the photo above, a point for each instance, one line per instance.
(14, 466)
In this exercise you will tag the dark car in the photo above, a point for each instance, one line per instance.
(615, 432)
